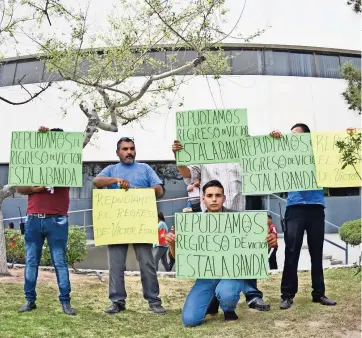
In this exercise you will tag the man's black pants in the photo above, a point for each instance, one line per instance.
(309, 217)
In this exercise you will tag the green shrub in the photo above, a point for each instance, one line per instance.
(15, 246)
(350, 232)
(76, 247)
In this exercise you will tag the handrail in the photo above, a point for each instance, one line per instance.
(325, 221)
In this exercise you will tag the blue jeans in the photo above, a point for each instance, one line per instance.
(226, 290)
(55, 230)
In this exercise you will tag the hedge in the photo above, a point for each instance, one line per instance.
(350, 232)
(76, 247)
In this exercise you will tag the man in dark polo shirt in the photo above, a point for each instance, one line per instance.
(47, 217)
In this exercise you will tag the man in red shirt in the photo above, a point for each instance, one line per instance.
(47, 217)
(272, 229)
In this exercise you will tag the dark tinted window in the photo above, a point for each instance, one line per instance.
(301, 64)
(328, 66)
(7, 72)
(247, 62)
(29, 72)
(276, 63)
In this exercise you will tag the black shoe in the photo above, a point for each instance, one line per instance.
(68, 310)
(158, 310)
(213, 307)
(258, 304)
(324, 301)
(230, 316)
(286, 303)
(114, 308)
(28, 306)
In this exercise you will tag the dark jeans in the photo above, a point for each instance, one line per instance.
(117, 255)
(299, 218)
(55, 230)
(273, 265)
(160, 253)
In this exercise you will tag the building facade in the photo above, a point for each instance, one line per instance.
(291, 73)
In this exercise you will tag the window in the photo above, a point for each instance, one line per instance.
(180, 58)
(29, 72)
(276, 63)
(7, 72)
(247, 62)
(356, 61)
(301, 64)
(155, 64)
(328, 66)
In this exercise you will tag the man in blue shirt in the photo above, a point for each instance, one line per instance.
(305, 212)
(130, 174)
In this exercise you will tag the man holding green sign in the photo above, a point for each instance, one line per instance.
(205, 294)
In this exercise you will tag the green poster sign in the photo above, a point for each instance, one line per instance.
(46, 159)
(272, 165)
(221, 245)
(210, 136)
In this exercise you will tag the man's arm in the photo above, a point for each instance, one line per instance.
(183, 169)
(170, 239)
(29, 190)
(101, 182)
(158, 190)
(104, 179)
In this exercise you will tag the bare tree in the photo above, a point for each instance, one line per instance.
(118, 70)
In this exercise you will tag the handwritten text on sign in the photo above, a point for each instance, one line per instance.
(221, 245)
(272, 165)
(210, 136)
(46, 159)
(328, 161)
(124, 217)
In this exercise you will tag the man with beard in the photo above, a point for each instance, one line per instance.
(124, 175)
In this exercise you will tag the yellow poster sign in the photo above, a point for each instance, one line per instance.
(124, 217)
(329, 164)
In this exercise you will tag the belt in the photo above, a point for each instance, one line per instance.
(45, 215)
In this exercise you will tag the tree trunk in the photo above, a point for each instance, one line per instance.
(3, 260)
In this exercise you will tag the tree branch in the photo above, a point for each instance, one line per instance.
(32, 96)
(162, 76)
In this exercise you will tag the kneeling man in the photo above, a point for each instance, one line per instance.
(205, 295)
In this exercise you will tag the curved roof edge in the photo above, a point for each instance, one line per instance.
(225, 46)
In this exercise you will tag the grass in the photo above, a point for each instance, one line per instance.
(89, 297)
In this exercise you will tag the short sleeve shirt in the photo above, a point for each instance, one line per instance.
(139, 175)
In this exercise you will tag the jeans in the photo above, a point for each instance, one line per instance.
(273, 264)
(160, 253)
(117, 255)
(55, 230)
(204, 290)
(299, 218)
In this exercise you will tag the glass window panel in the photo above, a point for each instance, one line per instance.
(328, 66)
(301, 64)
(7, 72)
(355, 60)
(180, 58)
(276, 63)
(147, 68)
(247, 62)
(29, 72)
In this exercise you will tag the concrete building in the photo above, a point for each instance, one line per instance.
(290, 73)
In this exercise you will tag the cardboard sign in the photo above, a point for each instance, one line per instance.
(272, 165)
(46, 159)
(221, 245)
(210, 136)
(328, 161)
(124, 217)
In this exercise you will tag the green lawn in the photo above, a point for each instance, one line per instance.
(89, 297)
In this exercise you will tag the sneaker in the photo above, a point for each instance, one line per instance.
(286, 303)
(324, 301)
(158, 310)
(28, 306)
(114, 308)
(230, 316)
(68, 310)
(258, 304)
